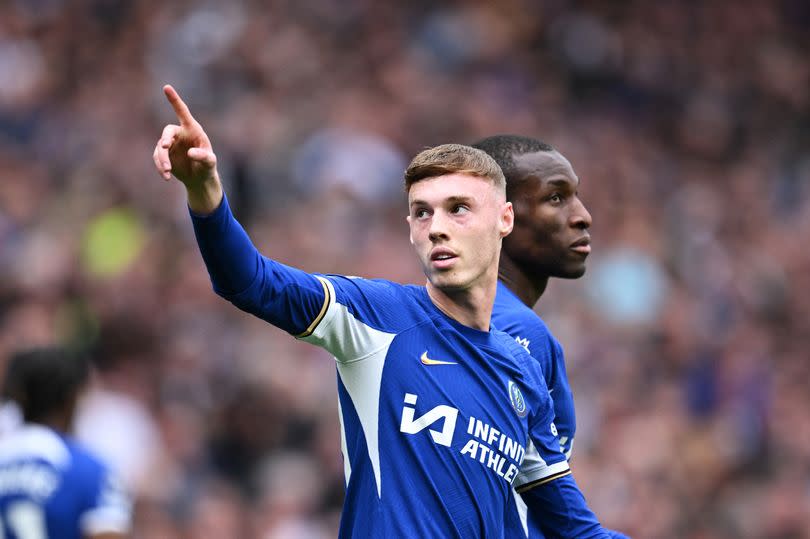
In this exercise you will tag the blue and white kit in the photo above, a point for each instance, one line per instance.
(437, 418)
(51, 487)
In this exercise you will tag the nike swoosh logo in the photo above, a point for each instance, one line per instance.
(427, 361)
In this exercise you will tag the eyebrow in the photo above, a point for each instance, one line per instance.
(562, 183)
(448, 200)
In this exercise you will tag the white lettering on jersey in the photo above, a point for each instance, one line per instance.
(36, 480)
(485, 452)
(489, 435)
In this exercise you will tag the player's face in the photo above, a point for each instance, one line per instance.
(551, 223)
(457, 223)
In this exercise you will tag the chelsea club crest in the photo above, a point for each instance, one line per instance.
(518, 403)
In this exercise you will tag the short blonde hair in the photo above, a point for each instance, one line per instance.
(453, 159)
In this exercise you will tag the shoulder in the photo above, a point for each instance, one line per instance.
(528, 330)
(370, 289)
(35, 442)
(511, 347)
(530, 371)
(359, 314)
(513, 316)
(85, 464)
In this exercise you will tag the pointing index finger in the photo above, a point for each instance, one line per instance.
(179, 106)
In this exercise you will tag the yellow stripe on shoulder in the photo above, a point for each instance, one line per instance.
(327, 298)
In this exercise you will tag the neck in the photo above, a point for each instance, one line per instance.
(60, 421)
(526, 288)
(471, 307)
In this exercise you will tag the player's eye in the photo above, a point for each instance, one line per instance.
(555, 198)
(421, 213)
(460, 209)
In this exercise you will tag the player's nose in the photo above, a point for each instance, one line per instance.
(580, 216)
(438, 226)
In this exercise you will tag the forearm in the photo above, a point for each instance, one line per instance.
(559, 510)
(283, 296)
(229, 255)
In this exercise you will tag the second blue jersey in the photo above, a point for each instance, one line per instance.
(52, 487)
(512, 316)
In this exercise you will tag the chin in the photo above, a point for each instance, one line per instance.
(569, 273)
(447, 283)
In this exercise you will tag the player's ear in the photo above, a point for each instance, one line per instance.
(507, 219)
(410, 234)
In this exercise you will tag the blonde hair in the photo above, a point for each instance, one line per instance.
(453, 159)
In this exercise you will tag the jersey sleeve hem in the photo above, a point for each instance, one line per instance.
(541, 474)
(328, 299)
(538, 482)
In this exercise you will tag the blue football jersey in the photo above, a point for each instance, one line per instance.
(436, 418)
(52, 488)
(512, 316)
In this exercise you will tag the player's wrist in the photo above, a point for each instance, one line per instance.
(204, 198)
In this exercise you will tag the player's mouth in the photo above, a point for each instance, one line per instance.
(442, 258)
(582, 245)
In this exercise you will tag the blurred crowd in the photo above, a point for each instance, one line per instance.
(687, 342)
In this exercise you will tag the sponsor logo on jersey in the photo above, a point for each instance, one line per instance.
(522, 341)
(409, 425)
(518, 403)
(427, 361)
(491, 447)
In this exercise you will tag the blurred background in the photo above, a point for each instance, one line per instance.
(687, 342)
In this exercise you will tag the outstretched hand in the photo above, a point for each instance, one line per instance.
(184, 150)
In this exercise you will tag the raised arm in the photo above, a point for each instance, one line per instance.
(185, 151)
(286, 297)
